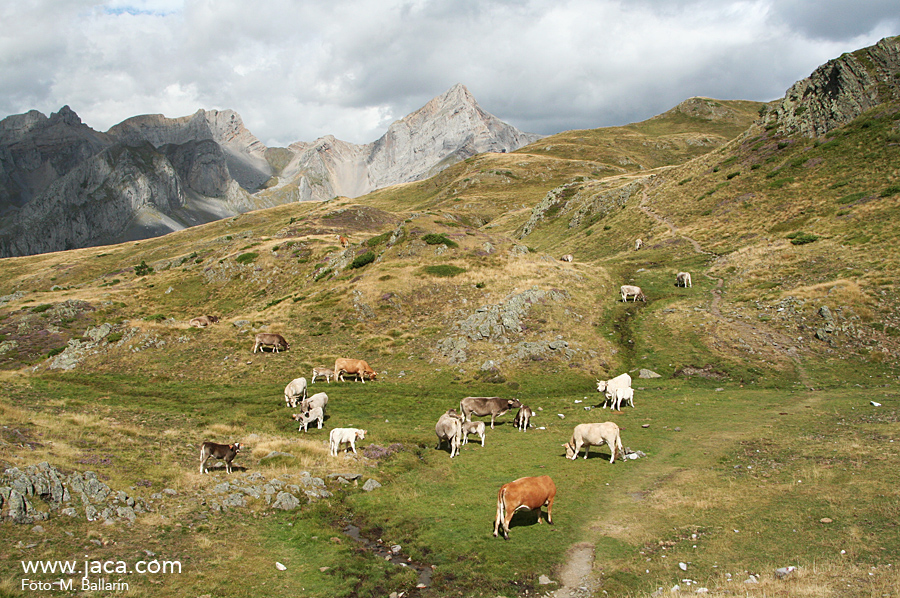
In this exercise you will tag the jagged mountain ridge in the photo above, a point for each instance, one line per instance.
(220, 169)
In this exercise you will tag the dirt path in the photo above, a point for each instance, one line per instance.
(575, 577)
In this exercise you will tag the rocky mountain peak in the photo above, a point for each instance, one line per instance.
(65, 116)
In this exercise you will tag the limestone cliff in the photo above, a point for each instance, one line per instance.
(840, 90)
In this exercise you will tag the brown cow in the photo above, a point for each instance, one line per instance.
(222, 452)
(344, 240)
(345, 365)
(481, 406)
(203, 321)
(266, 339)
(524, 493)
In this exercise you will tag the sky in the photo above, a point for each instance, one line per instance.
(296, 70)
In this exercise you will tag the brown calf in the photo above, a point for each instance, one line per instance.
(221, 452)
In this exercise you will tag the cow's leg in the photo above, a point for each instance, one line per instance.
(586, 448)
(482, 440)
(353, 446)
(499, 518)
(492, 421)
(550, 509)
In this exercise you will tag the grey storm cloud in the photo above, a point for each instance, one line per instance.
(299, 69)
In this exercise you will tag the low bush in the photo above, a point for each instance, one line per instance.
(444, 270)
(363, 260)
(246, 258)
(439, 239)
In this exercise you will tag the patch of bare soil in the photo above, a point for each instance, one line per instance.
(575, 577)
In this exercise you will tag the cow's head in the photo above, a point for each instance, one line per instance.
(360, 434)
(297, 416)
(601, 385)
(370, 374)
(570, 451)
(213, 319)
(237, 446)
(514, 403)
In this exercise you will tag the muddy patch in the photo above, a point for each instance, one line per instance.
(391, 553)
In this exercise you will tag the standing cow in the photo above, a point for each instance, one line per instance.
(683, 279)
(295, 392)
(588, 435)
(449, 428)
(481, 406)
(527, 494)
(345, 365)
(267, 339)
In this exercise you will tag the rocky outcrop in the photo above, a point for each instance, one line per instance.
(840, 90)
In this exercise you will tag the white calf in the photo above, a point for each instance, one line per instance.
(476, 427)
(339, 436)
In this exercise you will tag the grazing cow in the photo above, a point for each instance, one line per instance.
(307, 417)
(608, 387)
(523, 418)
(629, 290)
(266, 339)
(683, 279)
(482, 406)
(527, 494)
(622, 395)
(638, 244)
(476, 427)
(295, 392)
(343, 240)
(588, 435)
(345, 365)
(567, 258)
(221, 452)
(339, 436)
(320, 399)
(449, 428)
(322, 373)
(203, 321)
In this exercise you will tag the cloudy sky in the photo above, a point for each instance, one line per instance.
(299, 69)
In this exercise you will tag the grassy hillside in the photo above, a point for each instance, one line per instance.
(762, 447)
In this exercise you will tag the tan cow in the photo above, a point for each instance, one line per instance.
(266, 339)
(527, 494)
(345, 365)
(523, 418)
(588, 435)
(629, 290)
(203, 321)
(322, 373)
(476, 427)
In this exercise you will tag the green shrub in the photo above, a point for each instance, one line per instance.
(378, 240)
(444, 270)
(55, 352)
(143, 269)
(115, 337)
(439, 239)
(322, 274)
(363, 260)
(851, 198)
(37, 309)
(155, 318)
(801, 238)
(246, 258)
(892, 190)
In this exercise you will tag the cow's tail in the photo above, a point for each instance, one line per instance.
(619, 445)
(501, 512)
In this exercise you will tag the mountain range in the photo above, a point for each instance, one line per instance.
(64, 185)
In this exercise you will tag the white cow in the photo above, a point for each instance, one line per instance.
(339, 436)
(588, 435)
(476, 427)
(320, 399)
(629, 290)
(295, 392)
(449, 428)
(622, 395)
(638, 244)
(683, 279)
(523, 418)
(307, 417)
(609, 387)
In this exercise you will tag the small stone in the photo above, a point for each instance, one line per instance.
(544, 580)
(826, 520)
(682, 566)
(645, 425)
(875, 404)
(280, 567)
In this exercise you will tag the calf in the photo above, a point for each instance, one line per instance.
(449, 428)
(472, 428)
(295, 390)
(307, 417)
(622, 395)
(524, 493)
(221, 452)
(567, 258)
(266, 339)
(339, 436)
(523, 418)
(595, 434)
(322, 373)
(609, 387)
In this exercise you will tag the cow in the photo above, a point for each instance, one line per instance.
(683, 279)
(266, 339)
(344, 241)
(345, 365)
(482, 406)
(523, 418)
(203, 321)
(608, 387)
(449, 428)
(322, 373)
(622, 395)
(524, 493)
(221, 452)
(567, 258)
(307, 417)
(296, 389)
(339, 436)
(629, 290)
(476, 427)
(588, 435)
(320, 399)
(638, 244)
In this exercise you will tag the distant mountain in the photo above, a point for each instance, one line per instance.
(64, 185)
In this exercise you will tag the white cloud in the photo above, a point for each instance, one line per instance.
(296, 70)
